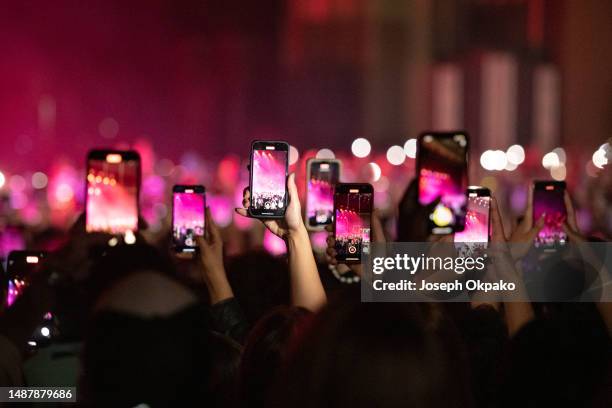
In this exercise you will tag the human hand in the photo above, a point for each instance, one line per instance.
(525, 233)
(291, 223)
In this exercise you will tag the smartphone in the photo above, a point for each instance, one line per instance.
(188, 204)
(442, 160)
(113, 185)
(352, 219)
(20, 267)
(268, 182)
(322, 175)
(475, 235)
(548, 201)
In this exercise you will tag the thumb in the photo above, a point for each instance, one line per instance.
(242, 211)
(292, 188)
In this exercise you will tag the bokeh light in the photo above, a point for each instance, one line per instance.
(39, 180)
(515, 154)
(396, 155)
(410, 148)
(550, 160)
(294, 155)
(361, 147)
(326, 154)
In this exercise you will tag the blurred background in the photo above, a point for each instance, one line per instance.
(190, 83)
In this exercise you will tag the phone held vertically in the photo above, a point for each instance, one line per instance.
(268, 179)
(442, 175)
(21, 266)
(188, 219)
(476, 233)
(352, 221)
(322, 175)
(112, 191)
(548, 202)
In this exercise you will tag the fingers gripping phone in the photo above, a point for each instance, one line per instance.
(321, 178)
(475, 235)
(442, 175)
(352, 220)
(548, 203)
(188, 204)
(268, 179)
(113, 184)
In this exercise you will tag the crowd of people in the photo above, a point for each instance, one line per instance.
(140, 326)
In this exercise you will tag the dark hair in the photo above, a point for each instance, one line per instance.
(223, 383)
(563, 361)
(260, 283)
(265, 351)
(377, 354)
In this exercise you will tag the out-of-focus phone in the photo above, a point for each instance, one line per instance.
(268, 182)
(188, 204)
(352, 220)
(113, 185)
(442, 172)
(548, 200)
(20, 267)
(322, 175)
(475, 235)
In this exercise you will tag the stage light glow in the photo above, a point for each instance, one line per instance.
(113, 242)
(442, 215)
(396, 155)
(599, 158)
(558, 172)
(550, 160)
(45, 331)
(64, 193)
(129, 237)
(294, 155)
(510, 166)
(376, 171)
(410, 148)
(560, 152)
(515, 154)
(325, 154)
(361, 147)
(2, 179)
(17, 183)
(487, 160)
(39, 180)
(499, 160)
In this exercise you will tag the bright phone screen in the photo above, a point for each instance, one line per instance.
(320, 198)
(188, 218)
(548, 198)
(476, 232)
(19, 271)
(443, 174)
(112, 194)
(269, 167)
(353, 213)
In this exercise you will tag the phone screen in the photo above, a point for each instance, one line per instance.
(548, 200)
(112, 192)
(353, 211)
(475, 235)
(442, 170)
(188, 217)
(269, 178)
(20, 267)
(323, 177)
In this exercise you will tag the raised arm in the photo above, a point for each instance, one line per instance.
(306, 287)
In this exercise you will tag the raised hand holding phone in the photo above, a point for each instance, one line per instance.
(188, 203)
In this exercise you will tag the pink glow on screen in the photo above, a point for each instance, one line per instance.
(269, 168)
(112, 196)
(320, 201)
(353, 212)
(15, 288)
(551, 203)
(476, 221)
(188, 216)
